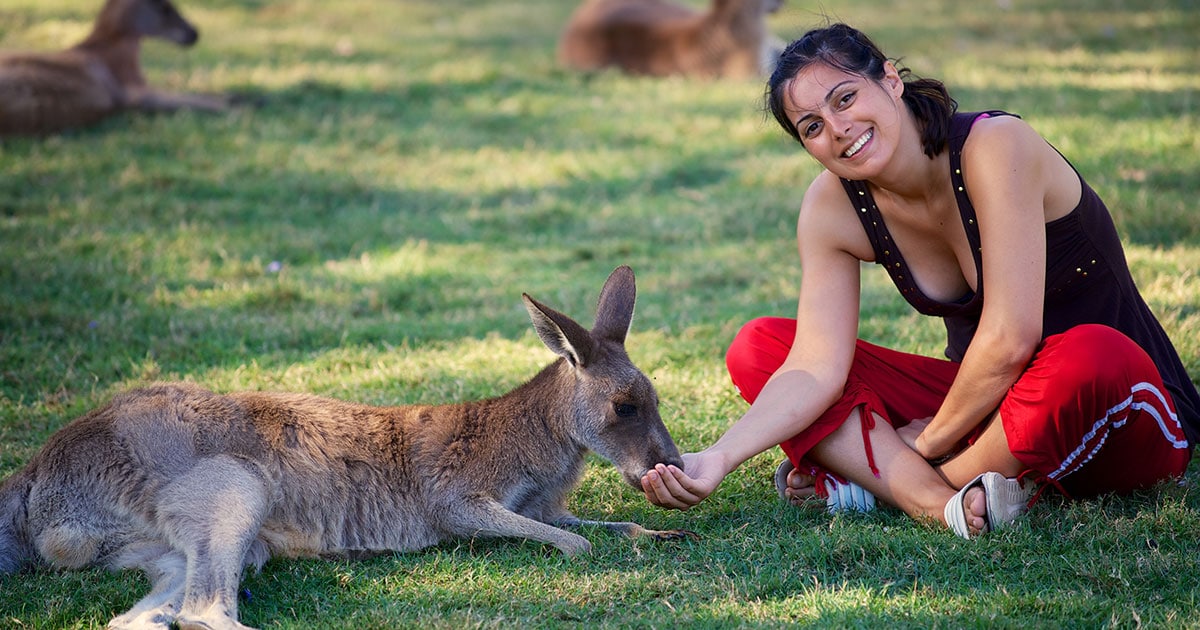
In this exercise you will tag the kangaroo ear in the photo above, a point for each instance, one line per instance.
(560, 333)
(614, 313)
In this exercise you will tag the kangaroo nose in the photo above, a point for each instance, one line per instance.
(673, 461)
(188, 36)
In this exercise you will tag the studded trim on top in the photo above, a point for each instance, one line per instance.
(1087, 279)
(888, 255)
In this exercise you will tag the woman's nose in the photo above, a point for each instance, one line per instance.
(840, 124)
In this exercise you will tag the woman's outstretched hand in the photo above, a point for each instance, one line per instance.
(670, 487)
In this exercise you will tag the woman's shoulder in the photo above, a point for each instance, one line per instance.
(994, 135)
(1006, 155)
(1008, 143)
(826, 200)
(827, 216)
(825, 191)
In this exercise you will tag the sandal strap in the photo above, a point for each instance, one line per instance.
(956, 516)
(839, 494)
(847, 496)
(1006, 499)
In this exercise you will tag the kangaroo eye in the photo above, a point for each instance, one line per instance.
(625, 410)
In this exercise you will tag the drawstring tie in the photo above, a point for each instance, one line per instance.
(868, 424)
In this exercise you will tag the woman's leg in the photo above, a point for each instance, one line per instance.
(905, 479)
(989, 452)
(1091, 415)
(894, 385)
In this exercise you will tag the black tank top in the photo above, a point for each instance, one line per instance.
(1087, 277)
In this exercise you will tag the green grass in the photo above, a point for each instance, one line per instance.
(414, 166)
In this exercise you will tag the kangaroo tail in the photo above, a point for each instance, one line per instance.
(15, 551)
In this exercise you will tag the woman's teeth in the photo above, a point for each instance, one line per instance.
(858, 144)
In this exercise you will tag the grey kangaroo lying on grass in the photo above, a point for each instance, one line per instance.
(49, 92)
(192, 487)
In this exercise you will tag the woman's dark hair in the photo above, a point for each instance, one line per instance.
(847, 49)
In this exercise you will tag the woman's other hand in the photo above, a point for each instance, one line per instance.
(911, 431)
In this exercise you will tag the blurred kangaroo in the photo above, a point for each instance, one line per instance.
(659, 38)
(192, 487)
(48, 92)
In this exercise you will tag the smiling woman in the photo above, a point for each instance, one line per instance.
(840, 146)
(850, 65)
(1060, 378)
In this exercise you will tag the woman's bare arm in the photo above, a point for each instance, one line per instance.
(814, 373)
(1005, 168)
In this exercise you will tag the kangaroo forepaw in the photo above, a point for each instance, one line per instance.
(247, 99)
(672, 534)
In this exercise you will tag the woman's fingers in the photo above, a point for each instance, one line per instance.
(680, 485)
(669, 487)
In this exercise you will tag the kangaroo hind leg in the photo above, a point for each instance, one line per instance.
(213, 513)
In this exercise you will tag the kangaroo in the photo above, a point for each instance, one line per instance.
(43, 93)
(660, 37)
(192, 486)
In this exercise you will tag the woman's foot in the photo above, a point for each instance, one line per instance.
(974, 503)
(797, 487)
(989, 502)
(794, 486)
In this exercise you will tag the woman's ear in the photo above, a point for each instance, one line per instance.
(892, 80)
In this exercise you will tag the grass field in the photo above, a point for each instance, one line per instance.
(363, 228)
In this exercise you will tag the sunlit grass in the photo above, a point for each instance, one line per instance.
(364, 224)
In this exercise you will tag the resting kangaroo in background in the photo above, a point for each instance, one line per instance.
(192, 486)
(98, 77)
(659, 37)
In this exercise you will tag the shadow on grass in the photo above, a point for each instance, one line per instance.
(93, 284)
(877, 569)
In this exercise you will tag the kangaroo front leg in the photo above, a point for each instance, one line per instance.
(213, 513)
(482, 516)
(632, 530)
(155, 101)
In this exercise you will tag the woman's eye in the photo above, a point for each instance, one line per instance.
(812, 129)
(846, 99)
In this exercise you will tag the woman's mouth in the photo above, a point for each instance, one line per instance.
(858, 144)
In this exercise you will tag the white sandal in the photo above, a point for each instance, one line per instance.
(1006, 500)
(839, 495)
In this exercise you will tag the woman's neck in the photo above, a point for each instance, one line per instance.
(911, 175)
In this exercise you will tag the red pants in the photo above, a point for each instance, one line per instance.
(1089, 415)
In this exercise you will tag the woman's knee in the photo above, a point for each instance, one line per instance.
(1097, 355)
(757, 350)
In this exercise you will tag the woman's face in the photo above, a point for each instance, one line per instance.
(849, 123)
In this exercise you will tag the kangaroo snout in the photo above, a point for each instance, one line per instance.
(635, 481)
(185, 36)
(662, 451)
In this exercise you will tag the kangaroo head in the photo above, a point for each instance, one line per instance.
(145, 18)
(613, 406)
